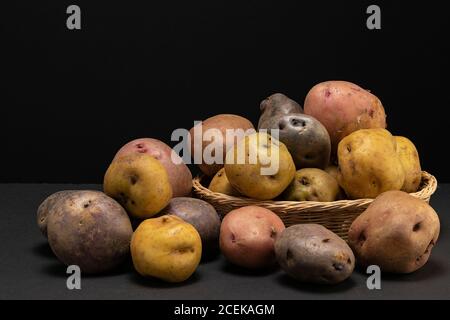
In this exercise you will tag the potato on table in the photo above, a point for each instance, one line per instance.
(48, 206)
(140, 183)
(312, 253)
(202, 216)
(247, 236)
(396, 232)
(166, 248)
(89, 229)
(180, 176)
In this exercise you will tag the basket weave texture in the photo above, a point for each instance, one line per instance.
(336, 216)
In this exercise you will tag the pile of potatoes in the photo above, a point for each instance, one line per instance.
(335, 147)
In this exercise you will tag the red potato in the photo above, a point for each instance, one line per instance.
(180, 176)
(344, 107)
(222, 123)
(247, 236)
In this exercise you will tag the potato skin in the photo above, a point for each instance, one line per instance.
(221, 184)
(166, 248)
(202, 216)
(396, 232)
(221, 122)
(179, 174)
(247, 178)
(369, 164)
(344, 107)
(276, 105)
(140, 183)
(312, 253)
(305, 137)
(409, 157)
(247, 236)
(47, 206)
(311, 184)
(89, 229)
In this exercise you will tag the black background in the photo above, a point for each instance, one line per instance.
(70, 99)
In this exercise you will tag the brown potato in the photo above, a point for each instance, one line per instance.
(247, 236)
(344, 107)
(202, 216)
(140, 183)
(89, 229)
(409, 157)
(221, 184)
(275, 105)
(312, 253)
(47, 206)
(180, 176)
(396, 232)
(312, 184)
(221, 122)
(369, 164)
(248, 177)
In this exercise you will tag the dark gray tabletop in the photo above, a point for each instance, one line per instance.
(30, 271)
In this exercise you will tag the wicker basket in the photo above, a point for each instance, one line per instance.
(336, 216)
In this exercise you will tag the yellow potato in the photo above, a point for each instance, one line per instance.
(409, 158)
(167, 248)
(139, 183)
(267, 169)
(369, 164)
(312, 184)
(221, 184)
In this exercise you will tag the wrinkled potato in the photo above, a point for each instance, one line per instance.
(221, 184)
(166, 248)
(369, 164)
(409, 157)
(312, 253)
(89, 229)
(396, 232)
(276, 105)
(249, 178)
(306, 138)
(247, 236)
(220, 122)
(140, 183)
(344, 107)
(202, 216)
(180, 176)
(47, 206)
(312, 184)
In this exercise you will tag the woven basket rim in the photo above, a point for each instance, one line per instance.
(427, 188)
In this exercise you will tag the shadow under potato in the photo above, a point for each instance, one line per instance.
(43, 250)
(432, 269)
(240, 271)
(151, 282)
(288, 281)
(58, 269)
